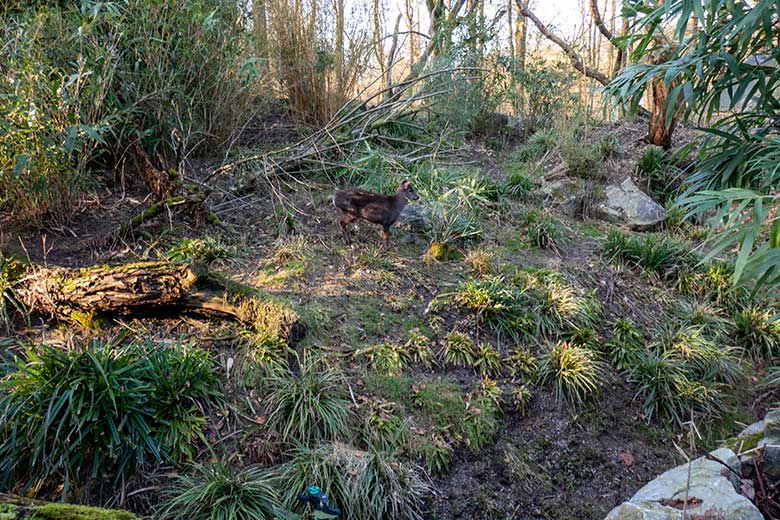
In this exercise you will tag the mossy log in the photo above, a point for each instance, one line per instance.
(14, 507)
(152, 289)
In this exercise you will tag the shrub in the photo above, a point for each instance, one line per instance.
(103, 79)
(575, 372)
(626, 344)
(544, 231)
(204, 250)
(10, 272)
(581, 159)
(459, 349)
(667, 389)
(521, 397)
(221, 492)
(608, 146)
(584, 337)
(487, 360)
(537, 145)
(758, 332)
(518, 183)
(310, 406)
(654, 253)
(387, 358)
(98, 410)
(480, 261)
(364, 484)
(522, 364)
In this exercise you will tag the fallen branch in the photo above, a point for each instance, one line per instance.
(152, 289)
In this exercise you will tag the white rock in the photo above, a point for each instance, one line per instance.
(628, 204)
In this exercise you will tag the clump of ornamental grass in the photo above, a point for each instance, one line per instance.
(757, 331)
(522, 364)
(459, 349)
(222, 492)
(310, 405)
(575, 372)
(626, 345)
(479, 261)
(364, 484)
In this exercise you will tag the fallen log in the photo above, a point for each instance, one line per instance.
(152, 289)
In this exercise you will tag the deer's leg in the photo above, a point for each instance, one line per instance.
(345, 221)
(386, 238)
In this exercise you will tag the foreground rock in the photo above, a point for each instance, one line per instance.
(761, 440)
(13, 507)
(626, 203)
(711, 494)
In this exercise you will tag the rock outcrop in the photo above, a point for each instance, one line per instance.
(626, 203)
(709, 488)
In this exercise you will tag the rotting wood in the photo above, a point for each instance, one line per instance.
(152, 289)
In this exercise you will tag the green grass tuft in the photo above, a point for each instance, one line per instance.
(575, 372)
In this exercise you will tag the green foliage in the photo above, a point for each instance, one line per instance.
(626, 344)
(655, 253)
(99, 80)
(518, 183)
(537, 145)
(100, 409)
(387, 358)
(608, 146)
(544, 231)
(10, 271)
(736, 174)
(221, 492)
(532, 304)
(53, 511)
(487, 360)
(364, 484)
(522, 364)
(521, 397)
(203, 250)
(757, 331)
(584, 337)
(309, 406)
(479, 260)
(545, 93)
(459, 349)
(453, 199)
(575, 372)
(261, 355)
(582, 159)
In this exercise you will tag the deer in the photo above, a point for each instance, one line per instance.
(373, 207)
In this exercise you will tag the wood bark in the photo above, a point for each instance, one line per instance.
(147, 288)
(260, 29)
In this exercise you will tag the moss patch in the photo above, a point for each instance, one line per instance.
(8, 511)
(74, 512)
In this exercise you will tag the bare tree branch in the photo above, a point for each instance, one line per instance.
(575, 58)
(594, 11)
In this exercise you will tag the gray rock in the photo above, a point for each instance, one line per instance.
(718, 496)
(762, 434)
(415, 218)
(626, 203)
(561, 192)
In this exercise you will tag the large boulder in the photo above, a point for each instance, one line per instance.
(710, 490)
(626, 203)
(761, 439)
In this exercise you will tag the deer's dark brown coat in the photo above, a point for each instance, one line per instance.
(373, 207)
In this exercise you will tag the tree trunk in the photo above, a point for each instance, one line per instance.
(511, 29)
(659, 133)
(412, 35)
(260, 29)
(150, 288)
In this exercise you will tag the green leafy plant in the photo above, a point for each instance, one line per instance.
(575, 372)
(544, 231)
(581, 159)
(626, 344)
(735, 177)
(204, 250)
(459, 349)
(757, 331)
(608, 146)
(521, 397)
(522, 364)
(10, 271)
(364, 484)
(537, 145)
(221, 492)
(654, 253)
(98, 410)
(518, 183)
(309, 406)
(479, 260)
(487, 359)
(387, 358)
